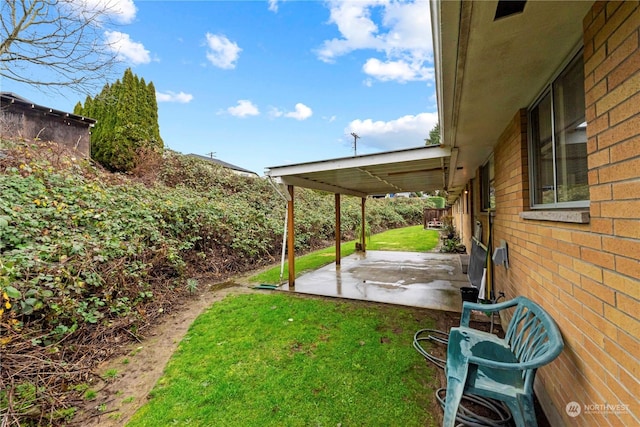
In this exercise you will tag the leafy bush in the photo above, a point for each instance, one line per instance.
(88, 256)
(80, 245)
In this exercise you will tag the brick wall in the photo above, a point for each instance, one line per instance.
(586, 275)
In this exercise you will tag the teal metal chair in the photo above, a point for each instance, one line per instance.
(485, 365)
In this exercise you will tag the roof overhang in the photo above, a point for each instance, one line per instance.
(410, 170)
(7, 99)
(487, 69)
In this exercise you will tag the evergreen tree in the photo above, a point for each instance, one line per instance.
(153, 113)
(434, 136)
(127, 121)
(77, 110)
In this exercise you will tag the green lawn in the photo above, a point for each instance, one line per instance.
(282, 360)
(411, 239)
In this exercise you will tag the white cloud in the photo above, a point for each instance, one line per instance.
(243, 109)
(169, 96)
(406, 131)
(402, 35)
(401, 71)
(358, 30)
(273, 5)
(302, 112)
(409, 28)
(126, 49)
(330, 119)
(122, 11)
(222, 52)
(274, 112)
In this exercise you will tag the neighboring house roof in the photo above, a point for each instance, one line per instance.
(223, 164)
(9, 98)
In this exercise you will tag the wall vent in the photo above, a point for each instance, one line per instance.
(509, 7)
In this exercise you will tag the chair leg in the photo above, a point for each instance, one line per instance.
(456, 372)
(523, 411)
(528, 410)
(455, 388)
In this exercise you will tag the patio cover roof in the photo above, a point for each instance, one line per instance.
(415, 169)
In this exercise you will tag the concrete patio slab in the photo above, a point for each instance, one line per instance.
(428, 280)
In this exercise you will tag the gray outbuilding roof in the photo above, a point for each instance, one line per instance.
(10, 98)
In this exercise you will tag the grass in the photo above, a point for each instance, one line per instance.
(111, 374)
(410, 239)
(285, 360)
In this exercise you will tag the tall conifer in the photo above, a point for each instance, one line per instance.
(127, 120)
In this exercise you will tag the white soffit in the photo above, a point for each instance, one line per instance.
(488, 69)
(416, 169)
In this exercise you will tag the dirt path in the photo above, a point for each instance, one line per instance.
(142, 364)
(140, 368)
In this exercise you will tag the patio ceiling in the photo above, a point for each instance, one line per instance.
(416, 169)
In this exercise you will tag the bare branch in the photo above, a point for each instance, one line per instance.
(56, 43)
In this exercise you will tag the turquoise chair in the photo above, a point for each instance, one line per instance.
(480, 363)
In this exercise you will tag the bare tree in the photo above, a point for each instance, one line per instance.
(56, 43)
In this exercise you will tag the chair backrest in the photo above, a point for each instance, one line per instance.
(477, 263)
(533, 335)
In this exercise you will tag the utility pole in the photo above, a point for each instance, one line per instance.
(211, 154)
(355, 143)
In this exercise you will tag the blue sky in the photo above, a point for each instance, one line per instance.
(269, 83)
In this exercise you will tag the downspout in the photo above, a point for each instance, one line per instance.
(461, 207)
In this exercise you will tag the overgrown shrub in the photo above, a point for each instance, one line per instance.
(88, 257)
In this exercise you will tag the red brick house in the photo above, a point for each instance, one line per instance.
(539, 103)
